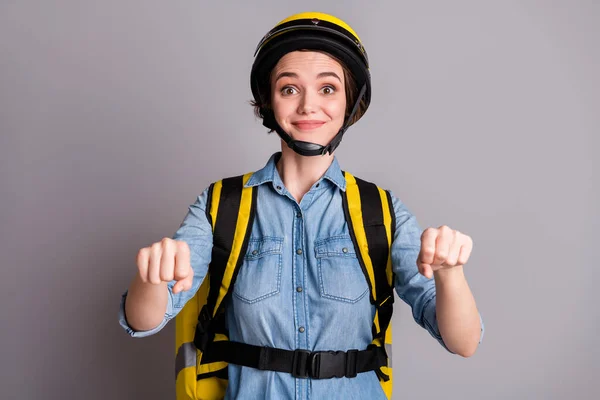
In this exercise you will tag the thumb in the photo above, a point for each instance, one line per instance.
(426, 270)
(184, 284)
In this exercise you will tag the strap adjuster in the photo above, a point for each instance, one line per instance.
(301, 363)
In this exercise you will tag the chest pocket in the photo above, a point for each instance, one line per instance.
(260, 274)
(340, 275)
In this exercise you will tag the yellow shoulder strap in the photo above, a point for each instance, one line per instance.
(370, 217)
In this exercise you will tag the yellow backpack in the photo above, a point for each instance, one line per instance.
(203, 349)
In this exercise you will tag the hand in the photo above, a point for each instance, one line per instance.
(165, 261)
(442, 248)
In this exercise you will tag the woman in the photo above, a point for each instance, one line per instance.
(310, 82)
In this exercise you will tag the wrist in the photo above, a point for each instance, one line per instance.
(449, 276)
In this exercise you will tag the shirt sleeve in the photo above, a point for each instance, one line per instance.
(413, 288)
(196, 231)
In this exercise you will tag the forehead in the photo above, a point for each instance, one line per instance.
(307, 62)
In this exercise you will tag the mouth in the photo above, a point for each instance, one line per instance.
(308, 125)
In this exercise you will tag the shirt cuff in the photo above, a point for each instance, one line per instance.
(140, 334)
(482, 328)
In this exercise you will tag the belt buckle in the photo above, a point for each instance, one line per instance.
(319, 364)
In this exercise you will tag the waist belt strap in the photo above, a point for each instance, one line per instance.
(299, 363)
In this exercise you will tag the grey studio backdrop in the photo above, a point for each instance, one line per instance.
(115, 115)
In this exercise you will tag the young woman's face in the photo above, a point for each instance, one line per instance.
(308, 96)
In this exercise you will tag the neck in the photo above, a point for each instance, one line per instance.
(299, 173)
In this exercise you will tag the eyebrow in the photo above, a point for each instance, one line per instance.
(321, 75)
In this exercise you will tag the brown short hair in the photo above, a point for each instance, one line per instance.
(349, 83)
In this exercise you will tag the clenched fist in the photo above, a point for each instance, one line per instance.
(443, 248)
(165, 261)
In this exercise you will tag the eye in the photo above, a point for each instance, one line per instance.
(328, 90)
(288, 91)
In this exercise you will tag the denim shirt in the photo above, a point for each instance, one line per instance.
(296, 289)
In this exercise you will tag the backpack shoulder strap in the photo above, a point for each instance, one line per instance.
(371, 220)
(231, 214)
(370, 216)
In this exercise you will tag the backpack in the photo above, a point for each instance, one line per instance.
(202, 347)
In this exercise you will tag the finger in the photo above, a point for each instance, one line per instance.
(182, 260)
(154, 264)
(427, 252)
(186, 284)
(184, 275)
(443, 241)
(454, 251)
(424, 269)
(143, 257)
(427, 271)
(465, 251)
(167, 260)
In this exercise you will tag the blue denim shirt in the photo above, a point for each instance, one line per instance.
(299, 290)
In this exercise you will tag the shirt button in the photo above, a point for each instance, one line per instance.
(299, 289)
(254, 252)
(299, 252)
(317, 185)
(301, 330)
(299, 214)
(278, 187)
(345, 250)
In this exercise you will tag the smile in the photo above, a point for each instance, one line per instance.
(308, 125)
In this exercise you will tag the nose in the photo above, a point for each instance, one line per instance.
(308, 103)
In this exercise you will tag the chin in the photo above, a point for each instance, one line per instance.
(316, 136)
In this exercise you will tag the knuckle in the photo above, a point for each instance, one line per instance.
(428, 251)
(445, 230)
(183, 247)
(166, 275)
(142, 254)
(182, 273)
(155, 248)
(166, 243)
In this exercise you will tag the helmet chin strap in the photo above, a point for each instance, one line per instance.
(309, 149)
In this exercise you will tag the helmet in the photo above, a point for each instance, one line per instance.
(310, 31)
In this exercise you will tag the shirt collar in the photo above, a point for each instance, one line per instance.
(269, 173)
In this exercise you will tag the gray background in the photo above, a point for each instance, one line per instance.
(114, 116)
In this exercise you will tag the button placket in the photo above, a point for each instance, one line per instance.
(299, 263)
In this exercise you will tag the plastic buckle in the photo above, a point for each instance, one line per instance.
(329, 364)
(324, 364)
(302, 363)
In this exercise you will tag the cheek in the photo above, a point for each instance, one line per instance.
(282, 108)
(337, 109)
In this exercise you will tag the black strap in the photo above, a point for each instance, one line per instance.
(372, 213)
(300, 363)
(223, 236)
(375, 232)
(224, 231)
